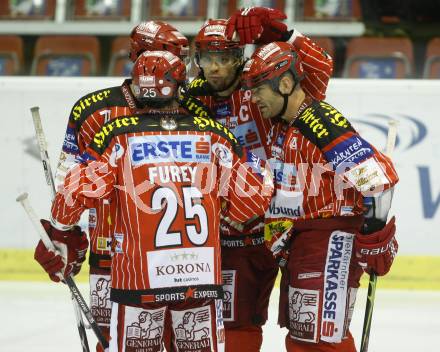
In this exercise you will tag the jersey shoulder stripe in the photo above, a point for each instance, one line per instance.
(208, 124)
(322, 124)
(92, 102)
(154, 122)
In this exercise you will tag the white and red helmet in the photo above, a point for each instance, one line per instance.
(156, 76)
(269, 63)
(157, 35)
(212, 38)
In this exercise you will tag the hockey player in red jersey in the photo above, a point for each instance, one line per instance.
(249, 270)
(317, 224)
(171, 174)
(87, 116)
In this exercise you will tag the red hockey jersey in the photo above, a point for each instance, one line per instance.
(86, 118)
(170, 176)
(323, 167)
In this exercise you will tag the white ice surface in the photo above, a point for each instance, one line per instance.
(39, 317)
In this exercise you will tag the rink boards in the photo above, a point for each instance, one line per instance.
(368, 104)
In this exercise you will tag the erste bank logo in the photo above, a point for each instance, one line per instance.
(169, 148)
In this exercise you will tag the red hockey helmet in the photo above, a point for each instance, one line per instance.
(157, 35)
(211, 37)
(269, 62)
(156, 77)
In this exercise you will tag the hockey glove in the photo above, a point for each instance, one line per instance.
(377, 250)
(257, 25)
(71, 252)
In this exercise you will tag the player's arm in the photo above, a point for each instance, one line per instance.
(92, 177)
(246, 185)
(72, 144)
(372, 173)
(69, 151)
(317, 64)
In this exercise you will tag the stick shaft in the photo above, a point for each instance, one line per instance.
(42, 146)
(45, 160)
(69, 280)
(372, 283)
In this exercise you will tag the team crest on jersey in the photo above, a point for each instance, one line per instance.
(100, 298)
(192, 329)
(143, 329)
(223, 153)
(168, 123)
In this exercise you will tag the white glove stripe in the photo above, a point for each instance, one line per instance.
(246, 11)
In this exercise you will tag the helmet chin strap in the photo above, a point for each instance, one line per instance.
(285, 100)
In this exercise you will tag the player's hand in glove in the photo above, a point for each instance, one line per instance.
(376, 251)
(257, 25)
(71, 252)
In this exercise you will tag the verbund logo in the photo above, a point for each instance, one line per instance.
(411, 131)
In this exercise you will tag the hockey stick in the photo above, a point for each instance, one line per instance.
(371, 295)
(24, 201)
(42, 146)
(44, 155)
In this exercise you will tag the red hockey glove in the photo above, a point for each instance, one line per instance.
(259, 25)
(377, 250)
(71, 252)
